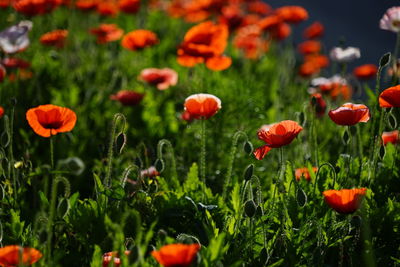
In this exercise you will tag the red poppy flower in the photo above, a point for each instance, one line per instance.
(48, 120)
(292, 14)
(109, 256)
(304, 172)
(17, 63)
(280, 32)
(107, 8)
(205, 42)
(269, 22)
(315, 30)
(350, 114)
(176, 255)
(3, 73)
(280, 134)
(346, 200)
(232, 15)
(162, 78)
(202, 106)
(259, 7)
(185, 115)
(139, 39)
(390, 97)
(107, 33)
(365, 72)
(86, 5)
(14, 255)
(129, 6)
(54, 38)
(5, 3)
(319, 104)
(309, 47)
(388, 137)
(1, 112)
(249, 39)
(35, 7)
(128, 98)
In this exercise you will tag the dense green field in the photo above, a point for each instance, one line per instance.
(82, 192)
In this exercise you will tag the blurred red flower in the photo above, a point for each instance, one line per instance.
(202, 106)
(15, 63)
(55, 38)
(35, 7)
(3, 73)
(309, 47)
(350, 114)
(48, 120)
(107, 33)
(107, 8)
(365, 72)
(249, 39)
(162, 78)
(259, 7)
(315, 30)
(292, 14)
(344, 201)
(139, 39)
(129, 6)
(278, 135)
(390, 137)
(109, 256)
(304, 172)
(390, 97)
(86, 5)
(128, 98)
(149, 172)
(1, 112)
(15, 255)
(174, 255)
(205, 42)
(319, 104)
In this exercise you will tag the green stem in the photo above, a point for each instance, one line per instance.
(51, 153)
(11, 152)
(171, 152)
(203, 152)
(319, 170)
(235, 140)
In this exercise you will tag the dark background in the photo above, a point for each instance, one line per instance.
(356, 21)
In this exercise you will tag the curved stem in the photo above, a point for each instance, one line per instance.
(319, 169)
(170, 150)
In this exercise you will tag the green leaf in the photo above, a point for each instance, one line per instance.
(192, 181)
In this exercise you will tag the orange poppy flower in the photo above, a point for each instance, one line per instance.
(107, 8)
(109, 256)
(259, 7)
(309, 68)
(315, 30)
(139, 39)
(390, 97)
(278, 135)
(17, 63)
(202, 106)
(1, 112)
(129, 6)
(292, 14)
(232, 15)
(54, 38)
(3, 73)
(350, 114)
(388, 137)
(107, 33)
(304, 172)
(205, 42)
(249, 40)
(48, 120)
(176, 255)
(321, 61)
(319, 104)
(86, 5)
(281, 31)
(35, 7)
(12, 255)
(309, 47)
(365, 72)
(162, 78)
(128, 98)
(344, 201)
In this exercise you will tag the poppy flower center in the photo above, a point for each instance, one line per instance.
(49, 119)
(204, 39)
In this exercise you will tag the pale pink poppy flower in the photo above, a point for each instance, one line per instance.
(391, 20)
(345, 55)
(15, 38)
(162, 78)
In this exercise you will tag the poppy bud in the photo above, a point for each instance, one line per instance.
(346, 137)
(391, 120)
(248, 173)
(159, 164)
(385, 59)
(301, 197)
(250, 208)
(248, 147)
(382, 152)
